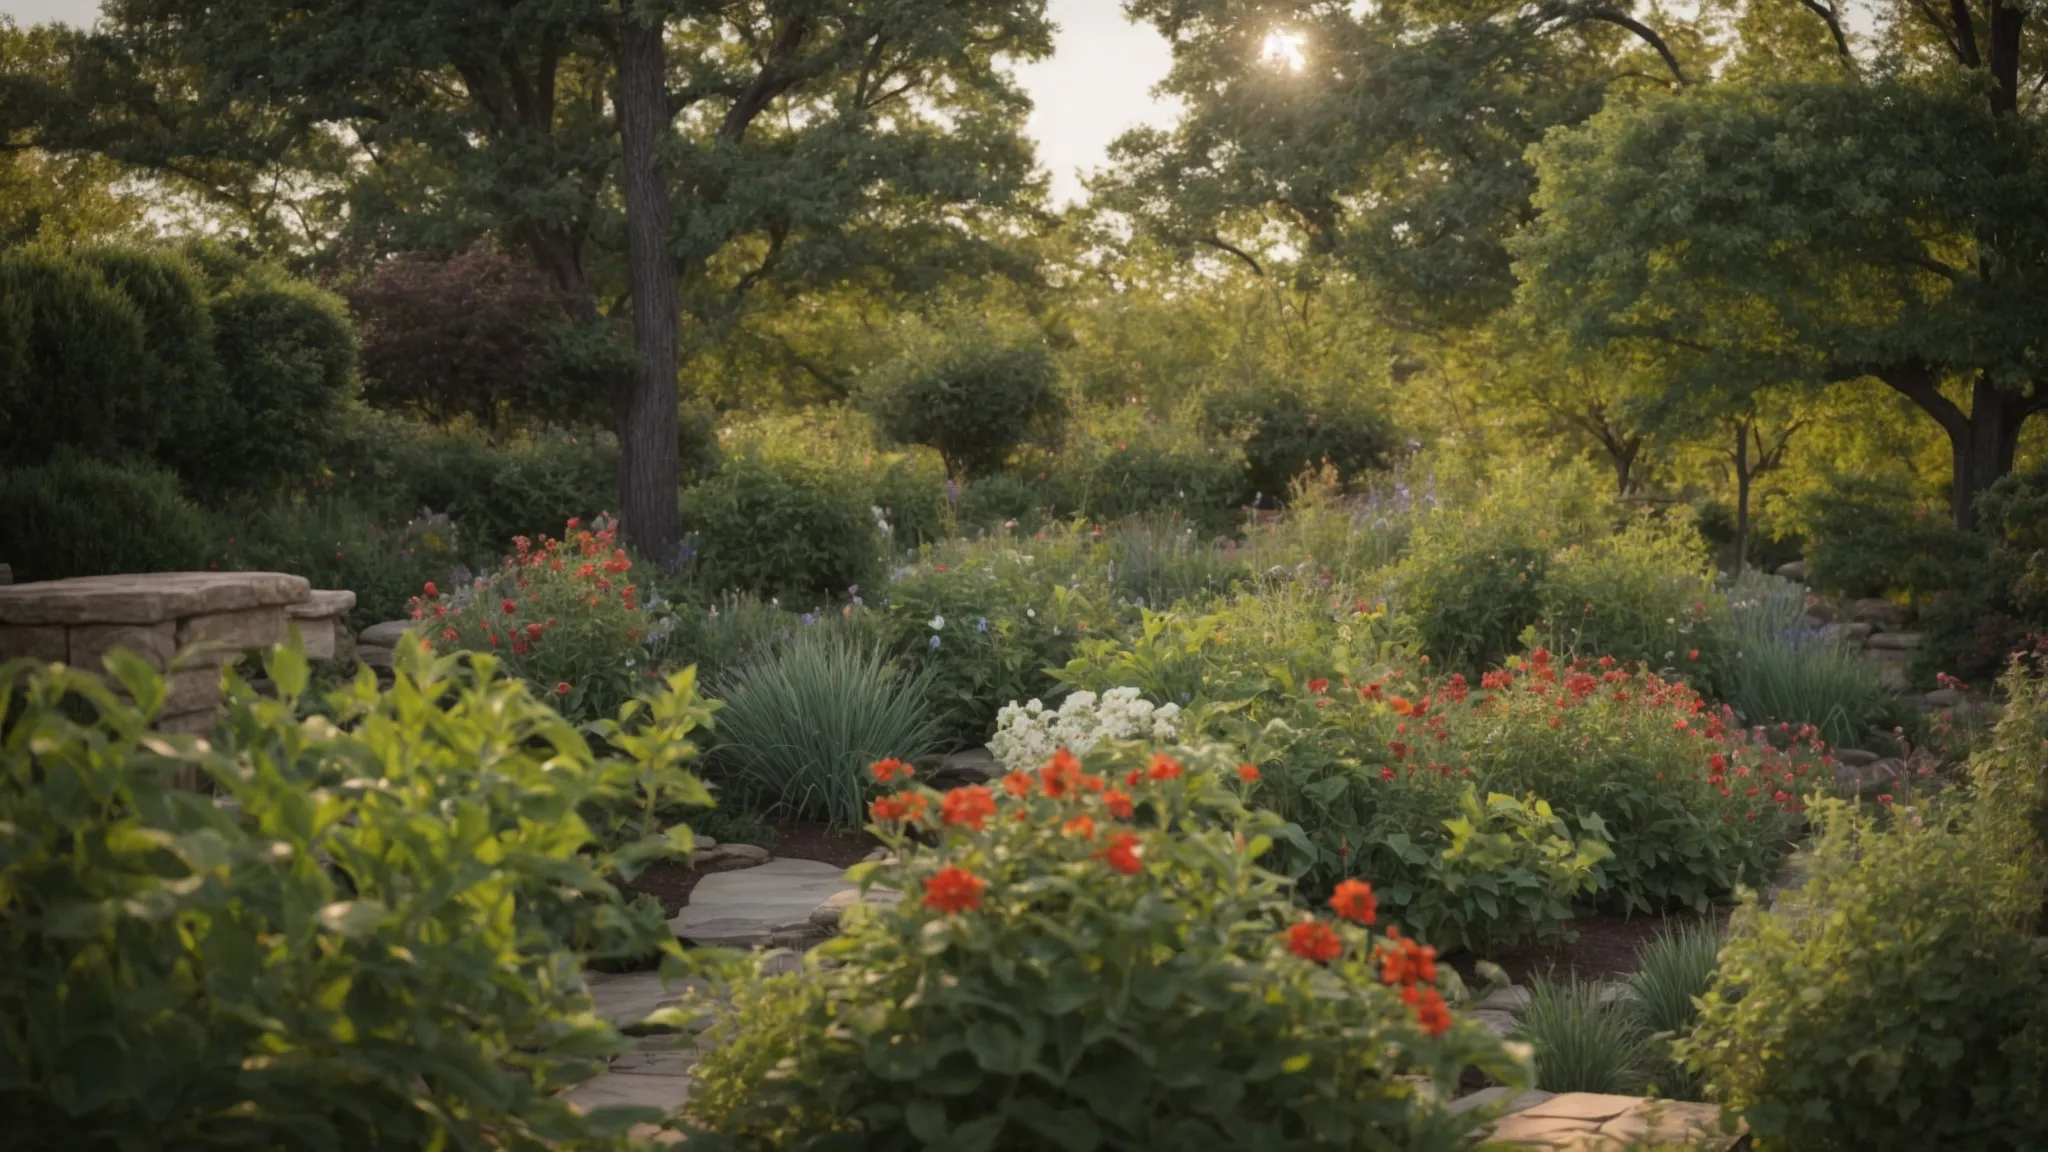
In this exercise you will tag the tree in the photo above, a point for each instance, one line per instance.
(791, 140)
(1799, 233)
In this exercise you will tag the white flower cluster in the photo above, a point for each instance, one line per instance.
(1028, 734)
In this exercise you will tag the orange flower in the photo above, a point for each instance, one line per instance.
(972, 806)
(1430, 1010)
(886, 809)
(1400, 705)
(1060, 775)
(1134, 777)
(1017, 784)
(891, 769)
(1249, 773)
(1164, 767)
(1079, 828)
(1118, 803)
(1406, 962)
(1124, 853)
(913, 805)
(1314, 940)
(954, 889)
(1353, 900)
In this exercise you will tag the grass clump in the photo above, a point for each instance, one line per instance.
(1586, 1038)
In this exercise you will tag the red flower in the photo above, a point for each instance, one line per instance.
(1124, 853)
(562, 688)
(1404, 961)
(1164, 767)
(533, 631)
(890, 769)
(1314, 940)
(449, 634)
(430, 590)
(1249, 773)
(1400, 705)
(1318, 686)
(1430, 1010)
(972, 806)
(1118, 802)
(1884, 797)
(1061, 775)
(1692, 654)
(1017, 784)
(1079, 828)
(887, 808)
(954, 889)
(575, 522)
(1353, 900)
(1386, 773)
(509, 607)
(1134, 777)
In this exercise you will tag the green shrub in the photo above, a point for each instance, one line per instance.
(912, 493)
(802, 724)
(780, 527)
(1287, 430)
(1471, 596)
(180, 376)
(973, 395)
(1643, 595)
(1585, 1038)
(287, 359)
(1779, 671)
(563, 615)
(2009, 775)
(72, 355)
(1868, 540)
(376, 947)
(335, 543)
(1068, 980)
(75, 516)
(1893, 1001)
(1129, 467)
(1674, 972)
(998, 498)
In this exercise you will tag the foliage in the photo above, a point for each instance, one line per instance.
(1028, 734)
(1129, 461)
(473, 335)
(334, 543)
(280, 972)
(973, 395)
(1644, 595)
(780, 527)
(1866, 540)
(287, 362)
(802, 723)
(1893, 1001)
(561, 614)
(1471, 596)
(71, 355)
(1048, 975)
(2009, 774)
(1781, 671)
(1674, 971)
(179, 377)
(1287, 431)
(1584, 1038)
(76, 516)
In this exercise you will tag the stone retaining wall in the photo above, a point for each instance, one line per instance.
(208, 617)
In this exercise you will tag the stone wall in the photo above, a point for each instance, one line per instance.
(1884, 632)
(203, 619)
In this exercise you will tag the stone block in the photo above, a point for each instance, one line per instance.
(43, 642)
(322, 604)
(1895, 641)
(224, 634)
(1846, 633)
(384, 635)
(1876, 655)
(155, 643)
(190, 690)
(1894, 678)
(828, 914)
(1881, 614)
(373, 656)
(317, 636)
(147, 598)
(197, 723)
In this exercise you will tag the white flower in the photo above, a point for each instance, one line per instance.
(1026, 736)
(938, 623)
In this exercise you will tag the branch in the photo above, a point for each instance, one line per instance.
(1222, 245)
(1940, 25)
(1643, 32)
(1826, 12)
(1966, 34)
(1913, 380)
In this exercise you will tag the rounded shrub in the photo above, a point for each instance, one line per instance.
(72, 354)
(1091, 957)
(780, 527)
(287, 357)
(180, 379)
(974, 395)
(1470, 593)
(1891, 1002)
(75, 516)
(1643, 595)
(1287, 431)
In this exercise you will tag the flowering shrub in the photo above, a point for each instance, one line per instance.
(1643, 595)
(563, 615)
(376, 947)
(1026, 734)
(1089, 956)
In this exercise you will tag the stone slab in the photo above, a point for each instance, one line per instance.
(1595, 1107)
(384, 635)
(1896, 641)
(1501, 1099)
(224, 633)
(322, 604)
(373, 656)
(45, 642)
(746, 909)
(90, 643)
(190, 690)
(147, 598)
(317, 635)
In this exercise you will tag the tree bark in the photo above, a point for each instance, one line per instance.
(1742, 481)
(644, 404)
(1984, 446)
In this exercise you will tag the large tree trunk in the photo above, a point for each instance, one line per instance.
(1743, 476)
(644, 407)
(1983, 447)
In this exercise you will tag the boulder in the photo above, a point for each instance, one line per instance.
(1881, 615)
(1855, 757)
(383, 635)
(1821, 608)
(1895, 641)
(373, 656)
(828, 914)
(1846, 633)
(728, 856)
(1944, 697)
(1794, 571)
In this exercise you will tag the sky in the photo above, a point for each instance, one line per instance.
(1096, 84)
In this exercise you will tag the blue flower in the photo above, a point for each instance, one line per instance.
(935, 642)
(809, 618)
(981, 625)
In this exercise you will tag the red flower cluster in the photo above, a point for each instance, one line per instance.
(1315, 940)
(972, 806)
(891, 769)
(1353, 900)
(1125, 853)
(954, 889)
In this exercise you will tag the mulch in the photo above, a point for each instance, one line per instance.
(1607, 947)
(671, 882)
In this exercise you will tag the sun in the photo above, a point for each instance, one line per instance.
(1284, 49)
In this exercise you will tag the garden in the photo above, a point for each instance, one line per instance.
(1413, 614)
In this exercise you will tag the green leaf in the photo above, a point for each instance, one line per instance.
(352, 918)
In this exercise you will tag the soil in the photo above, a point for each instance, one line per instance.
(1606, 948)
(670, 882)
